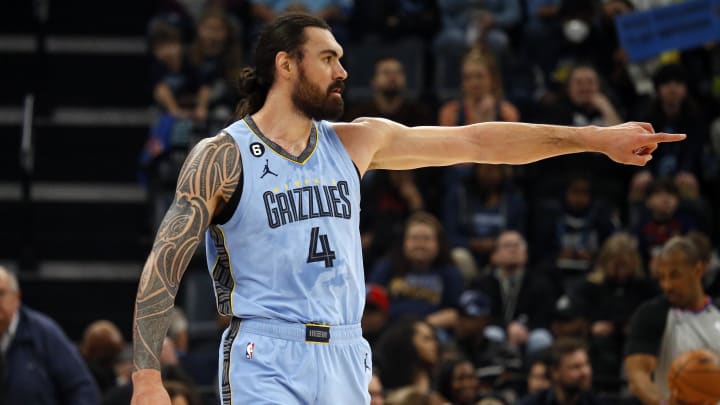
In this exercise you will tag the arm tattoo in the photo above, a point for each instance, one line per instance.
(212, 168)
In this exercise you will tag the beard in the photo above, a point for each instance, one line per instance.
(315, 103)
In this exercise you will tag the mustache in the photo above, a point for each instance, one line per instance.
(337, 84)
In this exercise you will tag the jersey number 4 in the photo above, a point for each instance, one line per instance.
(325, 254)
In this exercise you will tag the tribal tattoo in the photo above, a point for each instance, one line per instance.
(211, 170)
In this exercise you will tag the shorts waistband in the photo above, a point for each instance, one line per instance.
(310, 333)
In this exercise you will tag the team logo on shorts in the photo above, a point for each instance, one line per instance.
(249, 349)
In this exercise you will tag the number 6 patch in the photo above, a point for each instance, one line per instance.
(257, 149)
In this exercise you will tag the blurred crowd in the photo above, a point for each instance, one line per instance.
(486, 283)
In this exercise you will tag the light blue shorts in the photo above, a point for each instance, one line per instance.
(273, 362)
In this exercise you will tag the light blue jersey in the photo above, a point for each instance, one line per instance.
(291, 251)
(287, 265)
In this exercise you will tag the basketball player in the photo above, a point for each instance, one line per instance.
(661, 329)
(284, 250)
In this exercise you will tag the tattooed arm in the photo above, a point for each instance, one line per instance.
(207, 180)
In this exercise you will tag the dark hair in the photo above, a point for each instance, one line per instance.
(232, 52)
(702, 244)
(663, 185)
(163, 34)
(672, 72)
(401, 263)
(563, 347)
(284, 34)
(398, 358)
(445, 376)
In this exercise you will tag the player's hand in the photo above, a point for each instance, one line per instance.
(632, 143)
(148, 389)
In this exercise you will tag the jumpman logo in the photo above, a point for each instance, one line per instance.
(267, 170)
(367, 368)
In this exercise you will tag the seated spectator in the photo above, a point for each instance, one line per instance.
(407, 354)
(661, 220)
(388, 97)
(584, 103)
(38, 363)
(182, 98)
(470, 337)
(618, 282)
(521, 299)
(457, 382)
(420, 277)
(568, 320)
(101, 346)
(481, 88)
(178, 88)
(217, 55)
(389, 100)
(569, 232)
(674, 110)
(466, 24)
(571, 377)
(538, 378)
(479, 208)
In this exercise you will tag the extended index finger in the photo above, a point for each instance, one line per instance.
(665, 137)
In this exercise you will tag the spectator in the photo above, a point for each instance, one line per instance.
(479, 208)
(661, 221)
(470, 337)
(389, 100)
(571, 377)
(521, 299)
(457, 382)
(482, 98)
(217, 55)
(421, 278)
(585, 102)
(177, 86)
(570, 231)
(538, 375)
(673, 110)
(38, 363)
(466, 24)
(619, 282)
(388, 97)
(182, 98)
(661, 329)
(101, 346)
(407, 353)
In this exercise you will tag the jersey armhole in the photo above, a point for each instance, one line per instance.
(229, 209)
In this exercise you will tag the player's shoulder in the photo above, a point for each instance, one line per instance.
(363, 124)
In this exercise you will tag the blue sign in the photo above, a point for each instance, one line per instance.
(689, 24)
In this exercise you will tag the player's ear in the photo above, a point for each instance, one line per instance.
(283, 64)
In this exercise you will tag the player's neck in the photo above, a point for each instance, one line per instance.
(283, 124)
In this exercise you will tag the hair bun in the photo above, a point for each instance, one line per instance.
(248, 81)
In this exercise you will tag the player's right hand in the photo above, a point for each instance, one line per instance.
(148, 389)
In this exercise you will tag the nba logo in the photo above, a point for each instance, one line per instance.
(249, 350)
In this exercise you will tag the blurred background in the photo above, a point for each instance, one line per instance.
(101, 101)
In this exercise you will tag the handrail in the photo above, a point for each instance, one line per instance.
(27, 150)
